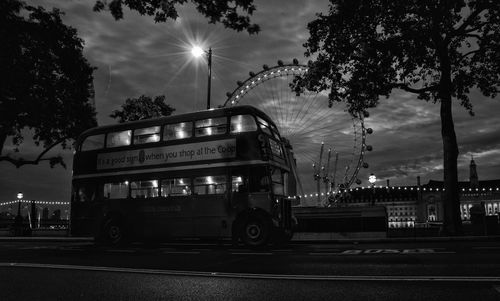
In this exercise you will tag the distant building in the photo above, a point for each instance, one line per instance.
(56, 215)
(408, 206)
(45, 213)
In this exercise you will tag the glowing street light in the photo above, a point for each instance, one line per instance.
(197, 51)
(372, 179)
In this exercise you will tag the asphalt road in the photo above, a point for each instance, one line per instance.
(204, 271)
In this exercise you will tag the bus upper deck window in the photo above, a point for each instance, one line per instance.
(147, 135)
(93, 142)
(243, 123)
(119, 138)
(211, 126)
(175, 131)
(264, 126)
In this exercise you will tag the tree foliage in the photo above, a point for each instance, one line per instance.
(46, 85)
(234, 14)
(143, 107)
(439, 50)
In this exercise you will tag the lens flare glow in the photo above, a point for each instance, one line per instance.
(196, 51)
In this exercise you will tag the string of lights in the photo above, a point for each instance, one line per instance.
(394, 188)
(295, 196)
(36, 202)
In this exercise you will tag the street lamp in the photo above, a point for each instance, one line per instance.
(197, 51)
(372, 179)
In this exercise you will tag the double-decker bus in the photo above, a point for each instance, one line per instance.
(221, 173)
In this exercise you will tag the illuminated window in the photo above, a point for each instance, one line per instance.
(210, 185)
(118, 138)
(211, 126)
(243, 123)
(147, 135)
(93, 142)
(116, 190)
(237, 184)
(264, 126)
(144, 189)
(176, 131)
(176, 186)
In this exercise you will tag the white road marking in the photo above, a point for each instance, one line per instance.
(326, 253)
(258, 276)
(121, 251)
(251, 253)
(181, 252)
(497, 288)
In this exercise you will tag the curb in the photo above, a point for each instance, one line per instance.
(304, 238)
(46, 238)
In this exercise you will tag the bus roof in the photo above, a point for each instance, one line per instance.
(217, 112)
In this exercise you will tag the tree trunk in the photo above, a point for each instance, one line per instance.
(451, 201)
(3, 138)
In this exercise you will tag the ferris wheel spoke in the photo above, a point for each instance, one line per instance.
(308, 123)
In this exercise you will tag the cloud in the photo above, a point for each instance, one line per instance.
(136, 56)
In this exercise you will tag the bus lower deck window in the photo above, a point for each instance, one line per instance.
(116, 190)
(176, 186)
(210, 185)
(144, 189)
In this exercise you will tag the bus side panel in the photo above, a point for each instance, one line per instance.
(212, 216)
(167, 217)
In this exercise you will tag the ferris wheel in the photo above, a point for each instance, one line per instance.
(328, 143)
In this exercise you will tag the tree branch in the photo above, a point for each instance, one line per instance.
(407, 88)
(461, 29)
(467, 54)
(53, 160)
(474, 36)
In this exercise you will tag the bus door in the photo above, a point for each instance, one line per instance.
(85, 209)
(239, 191)
(259, 188)
(210, 207)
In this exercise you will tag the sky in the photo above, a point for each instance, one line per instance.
(136, 56)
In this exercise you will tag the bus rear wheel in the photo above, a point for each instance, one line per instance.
(113, 232)
(256, 231)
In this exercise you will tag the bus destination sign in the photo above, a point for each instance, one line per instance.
(210, 150)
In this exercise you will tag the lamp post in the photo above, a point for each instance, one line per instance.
(18, 221)
(197, 52)
(372, 179)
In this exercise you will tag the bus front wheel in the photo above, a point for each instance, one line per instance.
(256, 231)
